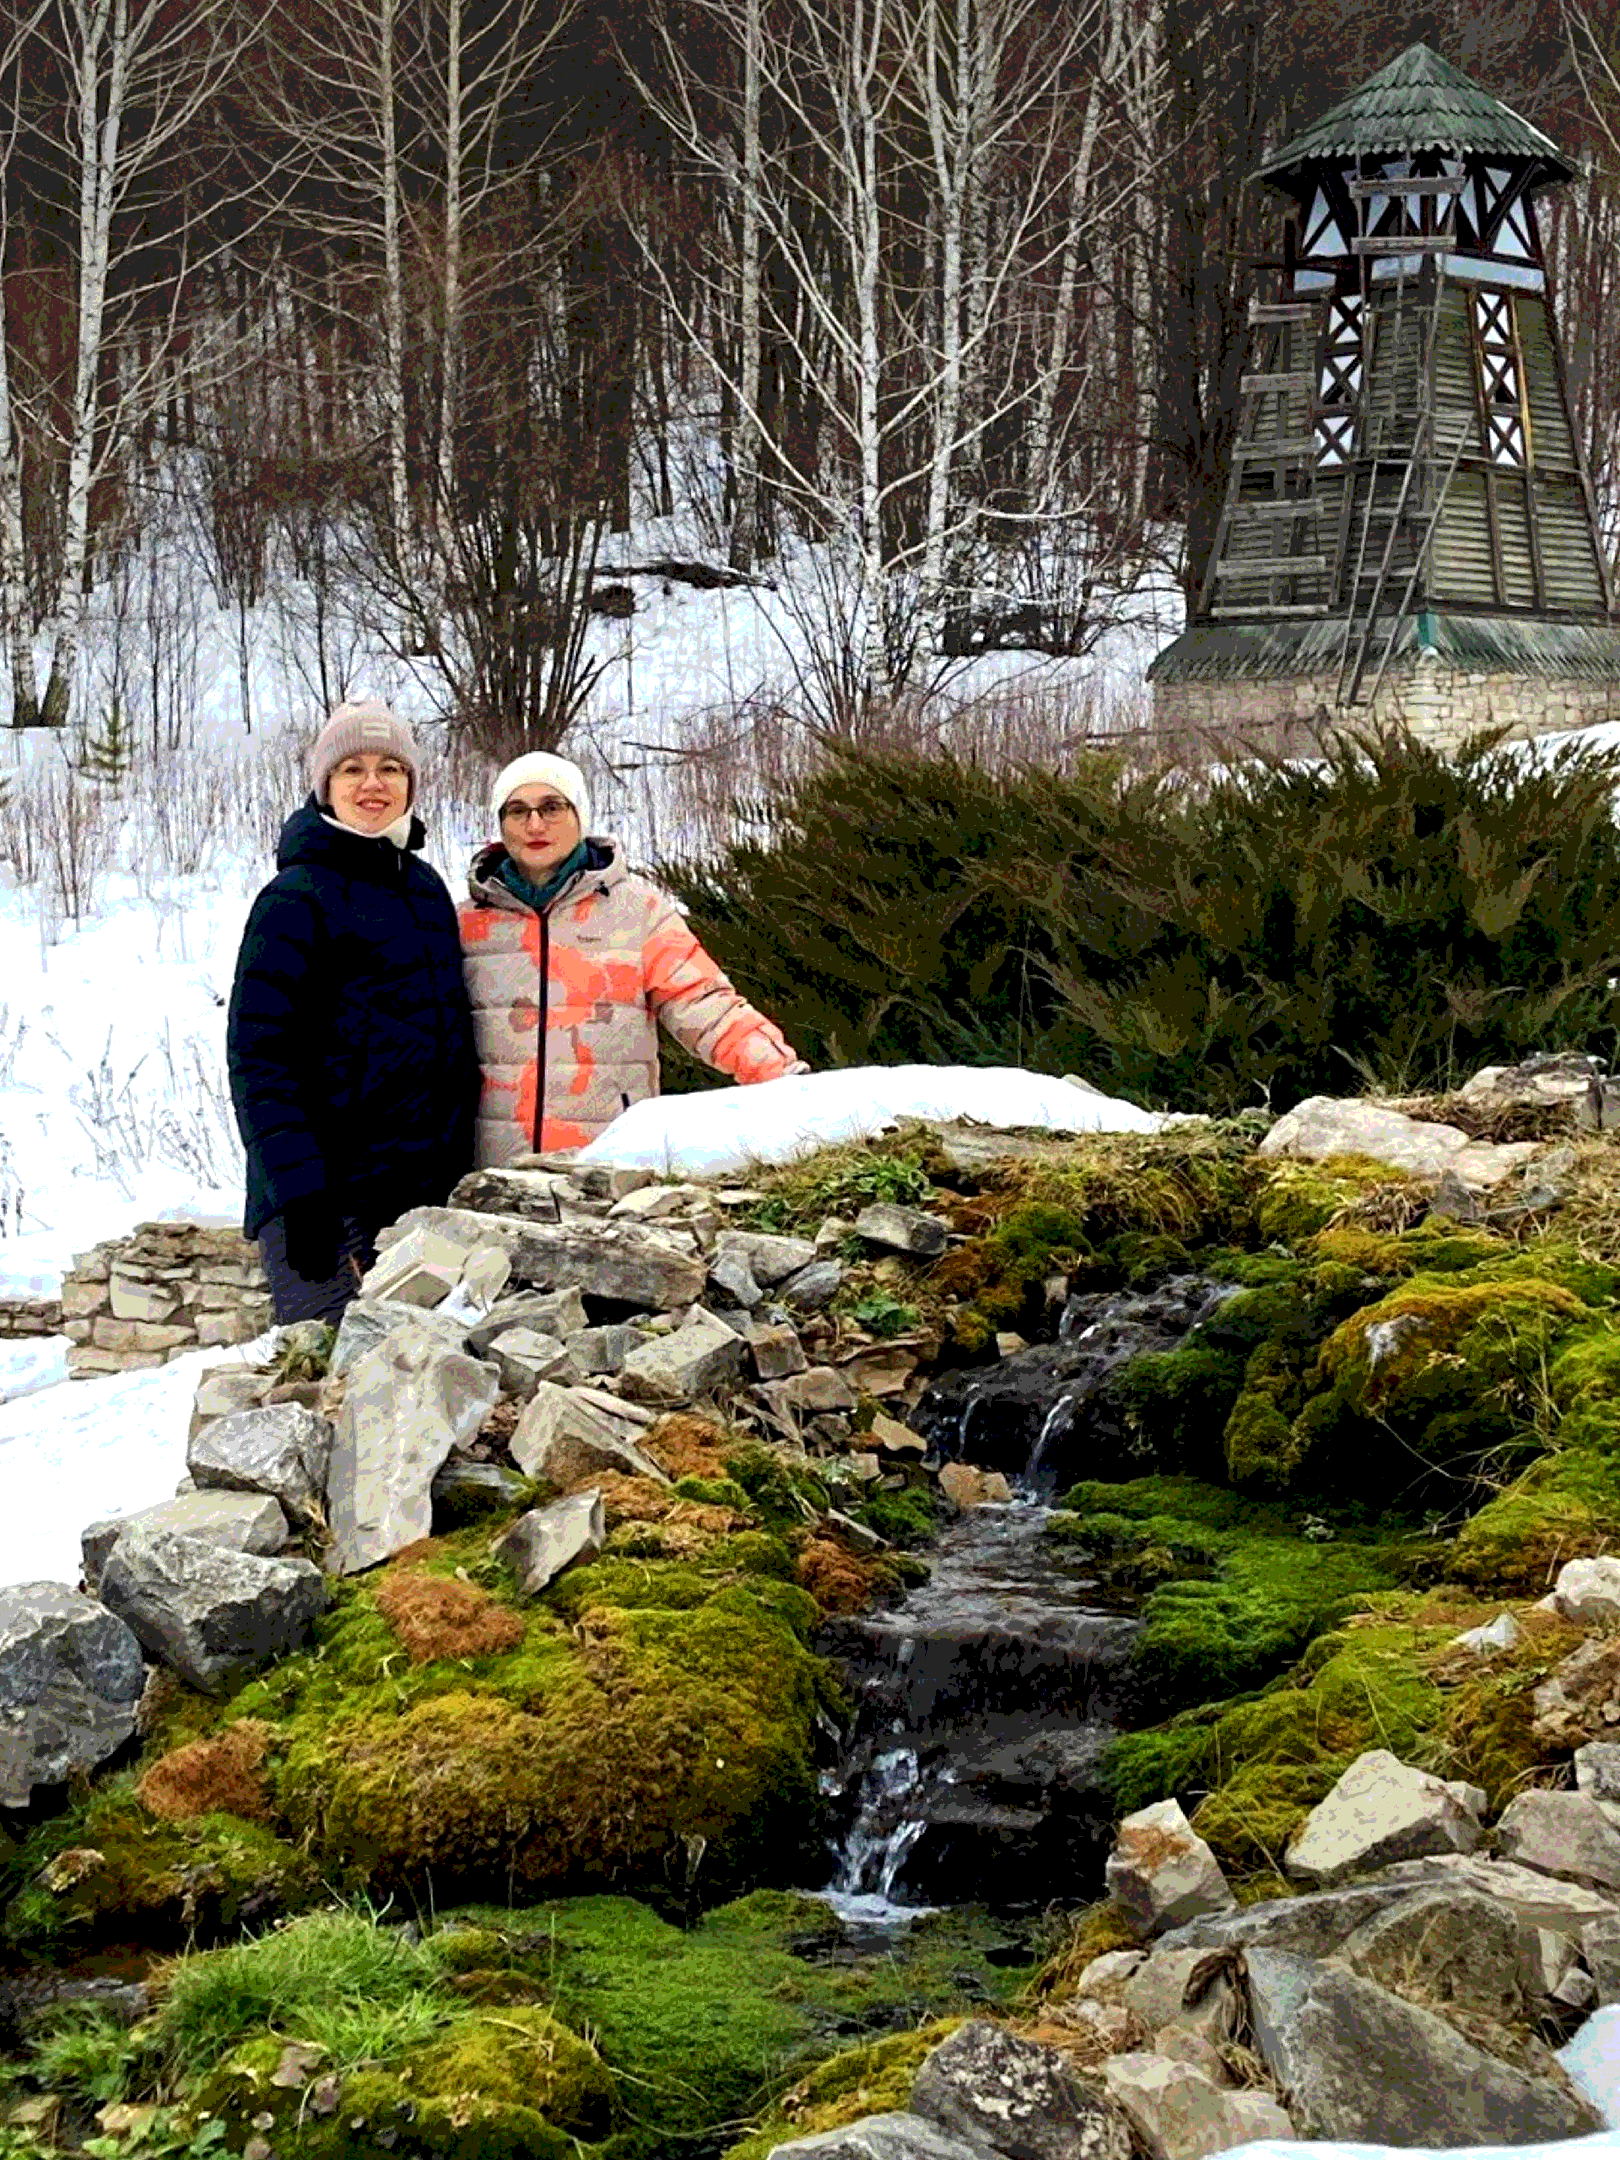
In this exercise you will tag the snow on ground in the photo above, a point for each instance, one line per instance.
(724, 1132)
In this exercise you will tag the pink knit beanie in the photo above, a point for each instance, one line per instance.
(356, 727)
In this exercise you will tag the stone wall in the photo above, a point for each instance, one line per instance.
(167, 1288)
(1439, 704)
(21, 1316)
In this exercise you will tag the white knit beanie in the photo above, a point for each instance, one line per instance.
(542, 768)
(355, 728)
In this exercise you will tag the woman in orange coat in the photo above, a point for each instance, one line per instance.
(572, 961)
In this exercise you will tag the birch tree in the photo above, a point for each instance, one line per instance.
(139, 77)
(13, 573)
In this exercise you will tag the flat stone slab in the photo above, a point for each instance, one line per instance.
(1380, 1810)
(627, 1262)
(1329, 1125)
(242, 1522)
(565, 1436)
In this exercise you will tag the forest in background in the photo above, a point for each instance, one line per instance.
(418, 302)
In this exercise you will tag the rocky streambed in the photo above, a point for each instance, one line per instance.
(644, 1557)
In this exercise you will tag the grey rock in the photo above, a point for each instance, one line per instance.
(71, 1675)
(700, 1356)
(1453, 1202)
(209, 1614)
(809, 1393)
(1360, 2064)
(657, 1203)
(540, 1544)
(524, 1358)
(529, 1194)
(1597, 1769)
(902, 1229)
(224, 1389)
(1323, 1125)
(814, 1287)
(604, 1349)
(1495, 1636)
(1589, 1590)
(421, 1266)
(1380, 1810)
(1311, 1925)
(776, 1351)
(768, 1259)
(457, 1478)
(1580, 1700)
(1161, 1872)
(243, 1522)
(549, 1312)
(1179, 2113)
(564, 1438)
(1016, 2096)
(284, 1451)
(1600, 1947)
(1105, 1977)
(895, 2136)
(1443, 1945)
(409, 1403)
(1538, 1901)
(630, 1263)
(368, 1321)
(1565, 1834)
(732, 1278)
(1182, 1987)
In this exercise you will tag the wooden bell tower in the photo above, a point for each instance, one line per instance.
(1409, 529)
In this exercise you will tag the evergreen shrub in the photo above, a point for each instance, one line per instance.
(1390, 914)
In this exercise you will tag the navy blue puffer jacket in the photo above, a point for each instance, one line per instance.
(350, 1044)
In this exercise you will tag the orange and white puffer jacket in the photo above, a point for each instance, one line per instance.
(608, 959)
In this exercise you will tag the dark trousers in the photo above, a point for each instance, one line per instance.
(294, 1297)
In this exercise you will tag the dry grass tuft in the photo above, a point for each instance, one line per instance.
(688, 1446)
(836, 1578)
(1482, 1117)
(224, 1773)
(436, 1616)
(1393, 1206)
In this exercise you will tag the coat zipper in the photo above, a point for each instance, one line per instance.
(540, 1047)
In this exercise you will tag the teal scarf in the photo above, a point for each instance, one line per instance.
(539, 897)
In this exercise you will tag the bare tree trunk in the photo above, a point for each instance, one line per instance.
(450, 359)
(393, 286)
(747, 538)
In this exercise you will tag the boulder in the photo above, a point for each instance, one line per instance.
(368, 1321)
(775, 1351)
(409, 1403)
(551, 1312)
(1186, 1988)
(243, 1522)
(1565, 1834)
(736, 1286)
(604, 1349)
(1597, 1770)
(529, 1194)
(209, 1614)
(1323, 1125)
(1538, 1901)
(655, 1203)
(814, 1287)
(902, 1229)
(816, 1391)
(684, 1367)
(71, 1675)
(224, 1389)
(1359, 2064)
(284, 1451)
(1161, 1872)
(565, 1438)
(1104, 1978)
(1600, 1947)
(895, 2136)
(966, 1486)
(769, 1260)
(1589, 1591)
(524, 1358)
(1444, 1945)
(420, 1267)
(1380, 1810)
(1312, 1924)
(1179, 2113)
(540, 1544)
(1581, 1699)
(628, 1263)
(1016, 2096)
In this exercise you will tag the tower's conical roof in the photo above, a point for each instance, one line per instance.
(1418, 102)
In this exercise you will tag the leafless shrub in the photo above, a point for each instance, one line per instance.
(181, 1119)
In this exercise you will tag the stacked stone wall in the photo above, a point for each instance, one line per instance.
(25, 1316)
(167, 1288)
(1441, 705)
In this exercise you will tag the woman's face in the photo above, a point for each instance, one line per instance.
(540, 830)
(367, 792)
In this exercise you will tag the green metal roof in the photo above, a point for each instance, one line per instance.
(1479, 644)
(1418, 102)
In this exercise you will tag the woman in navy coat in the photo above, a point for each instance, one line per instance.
(349, 1043)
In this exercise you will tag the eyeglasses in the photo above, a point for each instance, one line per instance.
(548, 812)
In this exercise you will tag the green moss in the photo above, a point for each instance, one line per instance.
(107, 1868)
(778, 1493)
(1563, 1506)
(905, 1518)
(712, 1492)
(1297, 1199)
(873, 2079)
